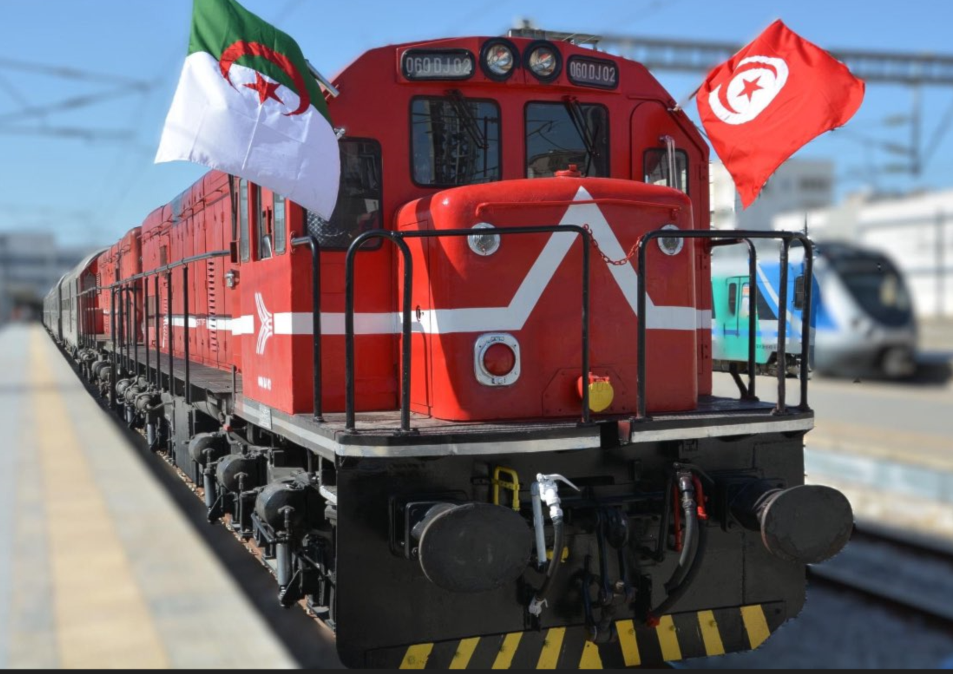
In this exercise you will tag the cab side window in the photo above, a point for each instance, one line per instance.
(358, 206)
(265, 246)
(657, 169)
(279, 224)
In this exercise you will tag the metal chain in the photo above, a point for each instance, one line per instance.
(609, 260)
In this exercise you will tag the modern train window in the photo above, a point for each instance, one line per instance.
(244, 233)
(455, 141)
(799, 292)
(656, 168)
(560, 134)
(358, 206)
(279, 225)
(732, 298)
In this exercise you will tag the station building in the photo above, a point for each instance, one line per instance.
(30, 263)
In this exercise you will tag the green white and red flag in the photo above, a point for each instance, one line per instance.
(247, 104)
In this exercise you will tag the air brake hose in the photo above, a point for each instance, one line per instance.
(677, 592)
(558, 544)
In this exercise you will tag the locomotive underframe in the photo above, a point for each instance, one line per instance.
(349, 558)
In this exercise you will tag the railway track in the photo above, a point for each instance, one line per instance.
(906, 572)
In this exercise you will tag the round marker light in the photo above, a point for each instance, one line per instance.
(544, 61)
(671, 245)
(496, 359)
(484, 243)
(499, 359)
(499, 59)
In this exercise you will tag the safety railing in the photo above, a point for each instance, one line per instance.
(786, 238)
(123, 310)
(398, 239)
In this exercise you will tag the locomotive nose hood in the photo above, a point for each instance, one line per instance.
(477, 298)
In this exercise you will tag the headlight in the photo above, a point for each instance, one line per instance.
(544, 60)
(671, 245)
(499, 59)
(484, 243)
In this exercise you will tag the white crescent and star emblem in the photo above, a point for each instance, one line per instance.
(754, 83)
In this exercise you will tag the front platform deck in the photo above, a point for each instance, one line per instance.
(378, 434)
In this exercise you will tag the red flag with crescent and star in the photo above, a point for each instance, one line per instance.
(769, 100)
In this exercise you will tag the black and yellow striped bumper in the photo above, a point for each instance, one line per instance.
(678, 636)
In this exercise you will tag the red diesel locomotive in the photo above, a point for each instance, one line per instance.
(503, 449)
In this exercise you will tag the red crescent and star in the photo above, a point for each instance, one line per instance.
(265, 88)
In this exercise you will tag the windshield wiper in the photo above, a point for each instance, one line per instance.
(470, 123)
(582, 128)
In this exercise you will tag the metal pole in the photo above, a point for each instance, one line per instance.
(806, 318)
(586, 412)
(112, 375)
(135, 326)
(145, 316)
(168, 295)
(187, 331)
(158, 328)
(782, 328)
(643, 319)
(752, 313)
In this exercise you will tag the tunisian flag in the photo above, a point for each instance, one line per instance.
(769, 100)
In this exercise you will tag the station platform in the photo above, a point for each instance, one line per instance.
(99, 565)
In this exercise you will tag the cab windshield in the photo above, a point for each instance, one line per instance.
(876, 286)
(456, 141)
(564, 133)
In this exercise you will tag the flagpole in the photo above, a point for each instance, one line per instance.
(323, 80)
(681, 104)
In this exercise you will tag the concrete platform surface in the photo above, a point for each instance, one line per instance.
(98, 566)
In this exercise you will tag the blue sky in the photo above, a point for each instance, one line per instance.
(92, 190)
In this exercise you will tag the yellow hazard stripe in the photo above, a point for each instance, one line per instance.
(630, 647)
(590, 657)
(710, 634)
(507, 650)
(464, 652)
(755, 624)
(552, 645)
(668, 639)
(416, 656)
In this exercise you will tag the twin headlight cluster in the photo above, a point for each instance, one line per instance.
(500, 58)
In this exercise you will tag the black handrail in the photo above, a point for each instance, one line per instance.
(398, 239)
(315, 247)
(188, 333)
(785, 238)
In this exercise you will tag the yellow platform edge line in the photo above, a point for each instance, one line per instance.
(464, 652)
(552, 646)
(116, 613)
(668, 639)
(756, 625)
(507, 650)
(710, 634)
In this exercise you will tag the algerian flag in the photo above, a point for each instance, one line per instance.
(248, 105)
